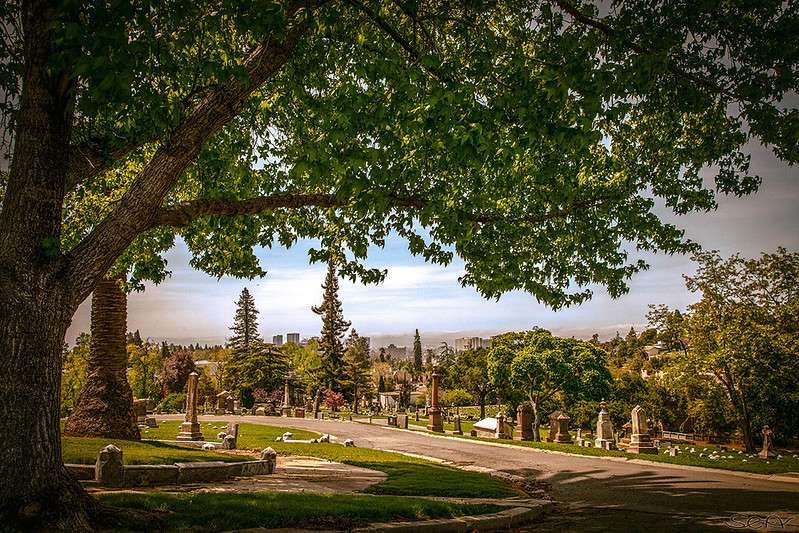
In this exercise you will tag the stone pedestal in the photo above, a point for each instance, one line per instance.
(190, 431)
(285, 411)
(524, 421)
(190, 428)
(562, 434)
(767, 452)
(140, 410)
(434, 421)
(640, 441)
(299, 412)
(604, 430)
(108, 468)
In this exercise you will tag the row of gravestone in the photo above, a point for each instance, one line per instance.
(500, 428)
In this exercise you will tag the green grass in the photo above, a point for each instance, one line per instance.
(207, 512)
(251, 436)
(81, 450)
(407, 476)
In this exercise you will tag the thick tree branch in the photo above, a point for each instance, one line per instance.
(89, 261)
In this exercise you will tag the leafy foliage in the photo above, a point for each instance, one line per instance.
(537, 366)
(461, 127)
(262, 366)
(73, 371)
(742, 335)
(175, 371)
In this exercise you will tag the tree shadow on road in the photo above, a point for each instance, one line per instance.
(596, 500)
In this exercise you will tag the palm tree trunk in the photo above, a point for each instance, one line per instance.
(104, 407)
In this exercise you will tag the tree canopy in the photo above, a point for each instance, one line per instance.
(743, 337)
(548, 125)
(534, 366)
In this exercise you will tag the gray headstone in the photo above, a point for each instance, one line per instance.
(109, 469)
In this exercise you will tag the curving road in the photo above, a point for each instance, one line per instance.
(595, 494)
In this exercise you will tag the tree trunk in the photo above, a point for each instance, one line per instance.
(482, 406)
(104, 407)
(37, 493)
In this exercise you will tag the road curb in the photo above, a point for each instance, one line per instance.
(519, 512)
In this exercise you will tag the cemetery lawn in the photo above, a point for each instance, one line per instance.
(251, 436)
(83, 450)
(699, 457)
(226, 511)
(407, 476)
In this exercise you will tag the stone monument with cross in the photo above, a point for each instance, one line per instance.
(434, 422)
(640, 441)
(190, 428)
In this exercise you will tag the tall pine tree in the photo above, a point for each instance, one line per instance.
(333, 329)
(417, 353)
(245, 323)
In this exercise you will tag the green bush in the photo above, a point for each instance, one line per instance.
(172, 403)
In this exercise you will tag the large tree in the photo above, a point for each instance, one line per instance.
(470, 372)
(529, 136)
(334, 327)
(535, 366)
(743, 336)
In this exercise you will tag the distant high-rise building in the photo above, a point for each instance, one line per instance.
(469, 343)
(293, 337)
(277, 340)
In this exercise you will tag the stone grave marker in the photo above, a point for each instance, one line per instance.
(640, 441)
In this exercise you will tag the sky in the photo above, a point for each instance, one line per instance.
(191, 306)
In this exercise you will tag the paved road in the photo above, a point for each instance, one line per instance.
(596, 494)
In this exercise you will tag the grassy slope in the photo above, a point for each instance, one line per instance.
(216, 512)
(407, 476)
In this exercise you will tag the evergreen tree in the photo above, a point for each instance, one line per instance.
(333, 328)
(164, 351)
(417, 353)
(245, 323)
(357, 371)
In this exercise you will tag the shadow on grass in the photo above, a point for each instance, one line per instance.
(217, 512)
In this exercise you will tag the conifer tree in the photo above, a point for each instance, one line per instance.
(417, 353)
(333, 328)
(245, 323)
